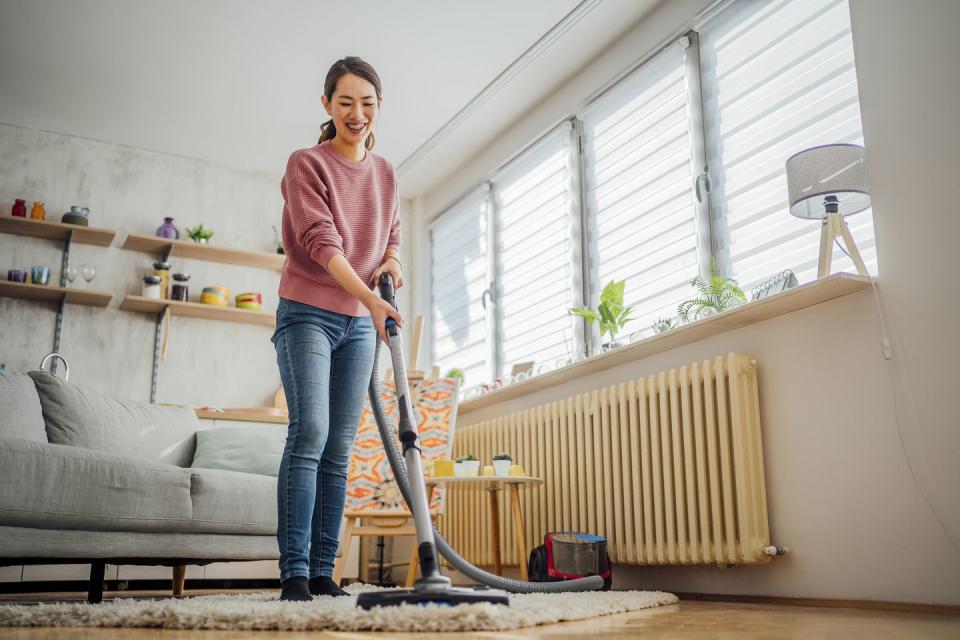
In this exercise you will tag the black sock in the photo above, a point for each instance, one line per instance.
(325, 586)
(295, 589)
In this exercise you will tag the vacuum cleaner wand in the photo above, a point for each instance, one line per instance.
(431, 586)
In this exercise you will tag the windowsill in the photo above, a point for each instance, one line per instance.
(834, 286)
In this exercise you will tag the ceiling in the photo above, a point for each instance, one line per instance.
(239, 81)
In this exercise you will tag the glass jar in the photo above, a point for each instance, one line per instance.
(180, 289)
(151, 287)
(162, 271)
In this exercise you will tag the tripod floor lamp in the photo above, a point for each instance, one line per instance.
(828, 183)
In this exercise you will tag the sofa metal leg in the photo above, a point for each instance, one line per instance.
(179, 577)
(95, 588)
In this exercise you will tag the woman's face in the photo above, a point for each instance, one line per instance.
(354, 108)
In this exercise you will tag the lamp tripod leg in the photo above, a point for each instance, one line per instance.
(826, 248)
(852, 249)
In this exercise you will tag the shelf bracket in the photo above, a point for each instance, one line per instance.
(64, 264)
(157, 341)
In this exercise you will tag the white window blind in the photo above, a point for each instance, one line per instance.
(459, 276)
(778, 77)
(535, 234)
(639, 181)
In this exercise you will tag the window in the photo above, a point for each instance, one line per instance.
(535, 257)
(778, 78)
(458, 248)
(679, 163)
(493, 309)
(643, 215)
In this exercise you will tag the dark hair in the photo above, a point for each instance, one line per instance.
(340, 68)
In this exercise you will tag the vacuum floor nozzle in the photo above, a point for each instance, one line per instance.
(451, 596)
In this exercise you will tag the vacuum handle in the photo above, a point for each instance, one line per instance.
(386, 292)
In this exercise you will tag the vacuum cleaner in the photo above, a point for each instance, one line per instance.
(432, 586)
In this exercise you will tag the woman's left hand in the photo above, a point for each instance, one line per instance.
(392, 266)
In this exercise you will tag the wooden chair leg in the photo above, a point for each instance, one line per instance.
(344, 549)
(179, 578)
(412, 569)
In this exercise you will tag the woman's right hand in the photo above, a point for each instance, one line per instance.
(380, 310)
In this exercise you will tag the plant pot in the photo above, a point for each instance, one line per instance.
(502, 467)
(471, 468)
(458, 470)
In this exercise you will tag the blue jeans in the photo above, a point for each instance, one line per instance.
(325, 361)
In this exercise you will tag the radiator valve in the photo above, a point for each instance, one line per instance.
(773, 550)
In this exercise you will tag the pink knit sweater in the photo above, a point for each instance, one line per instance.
(333, 205)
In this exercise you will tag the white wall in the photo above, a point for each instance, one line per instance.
(841, 492)
(130, 190)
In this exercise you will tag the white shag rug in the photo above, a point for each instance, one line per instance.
(263, 611)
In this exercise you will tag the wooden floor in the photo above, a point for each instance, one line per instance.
(687, 620)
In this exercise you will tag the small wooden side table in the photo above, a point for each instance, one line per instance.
(492, 485)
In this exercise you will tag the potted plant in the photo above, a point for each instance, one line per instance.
(458, 469)
(471, 465)
(199, 235)
(458, 374)
(662, 325)
(611, 313)
(501, 464)
(716, 295)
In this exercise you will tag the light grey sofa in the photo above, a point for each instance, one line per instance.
(85, 478)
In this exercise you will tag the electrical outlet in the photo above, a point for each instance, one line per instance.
(887, 349)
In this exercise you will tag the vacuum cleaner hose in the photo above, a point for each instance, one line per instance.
(397, 465)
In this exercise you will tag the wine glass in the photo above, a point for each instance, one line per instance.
(88, 271)
(71, 273)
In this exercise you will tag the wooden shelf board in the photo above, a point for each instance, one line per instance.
(49, 293)
(828, 288)
(252, 415)
(197, 310)
(56, 230)
(210, 252)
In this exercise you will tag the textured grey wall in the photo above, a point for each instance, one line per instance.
(131, 190)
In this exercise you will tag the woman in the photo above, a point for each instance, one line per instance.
(341, 230)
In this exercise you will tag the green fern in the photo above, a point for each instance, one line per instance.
(718, 293)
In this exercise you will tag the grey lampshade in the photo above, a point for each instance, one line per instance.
(829, 170)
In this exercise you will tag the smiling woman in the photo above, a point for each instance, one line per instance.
(348, 97)
(341, 231)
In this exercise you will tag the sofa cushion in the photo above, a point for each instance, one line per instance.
(21, 415)
(54, 486)
(85, 418)
(233, 502)
(249, 448)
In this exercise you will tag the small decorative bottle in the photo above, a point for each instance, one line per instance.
(168, 230)
(38, 212)
(151, 287)
(162, 271)
(19, 208)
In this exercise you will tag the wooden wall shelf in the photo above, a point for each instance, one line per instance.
(197, 310)
(211, 252)
(56, 230)
(257, 414)
(47, 293)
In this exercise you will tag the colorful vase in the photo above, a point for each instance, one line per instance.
(19, 208)
(168, 230)
(38, 212)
